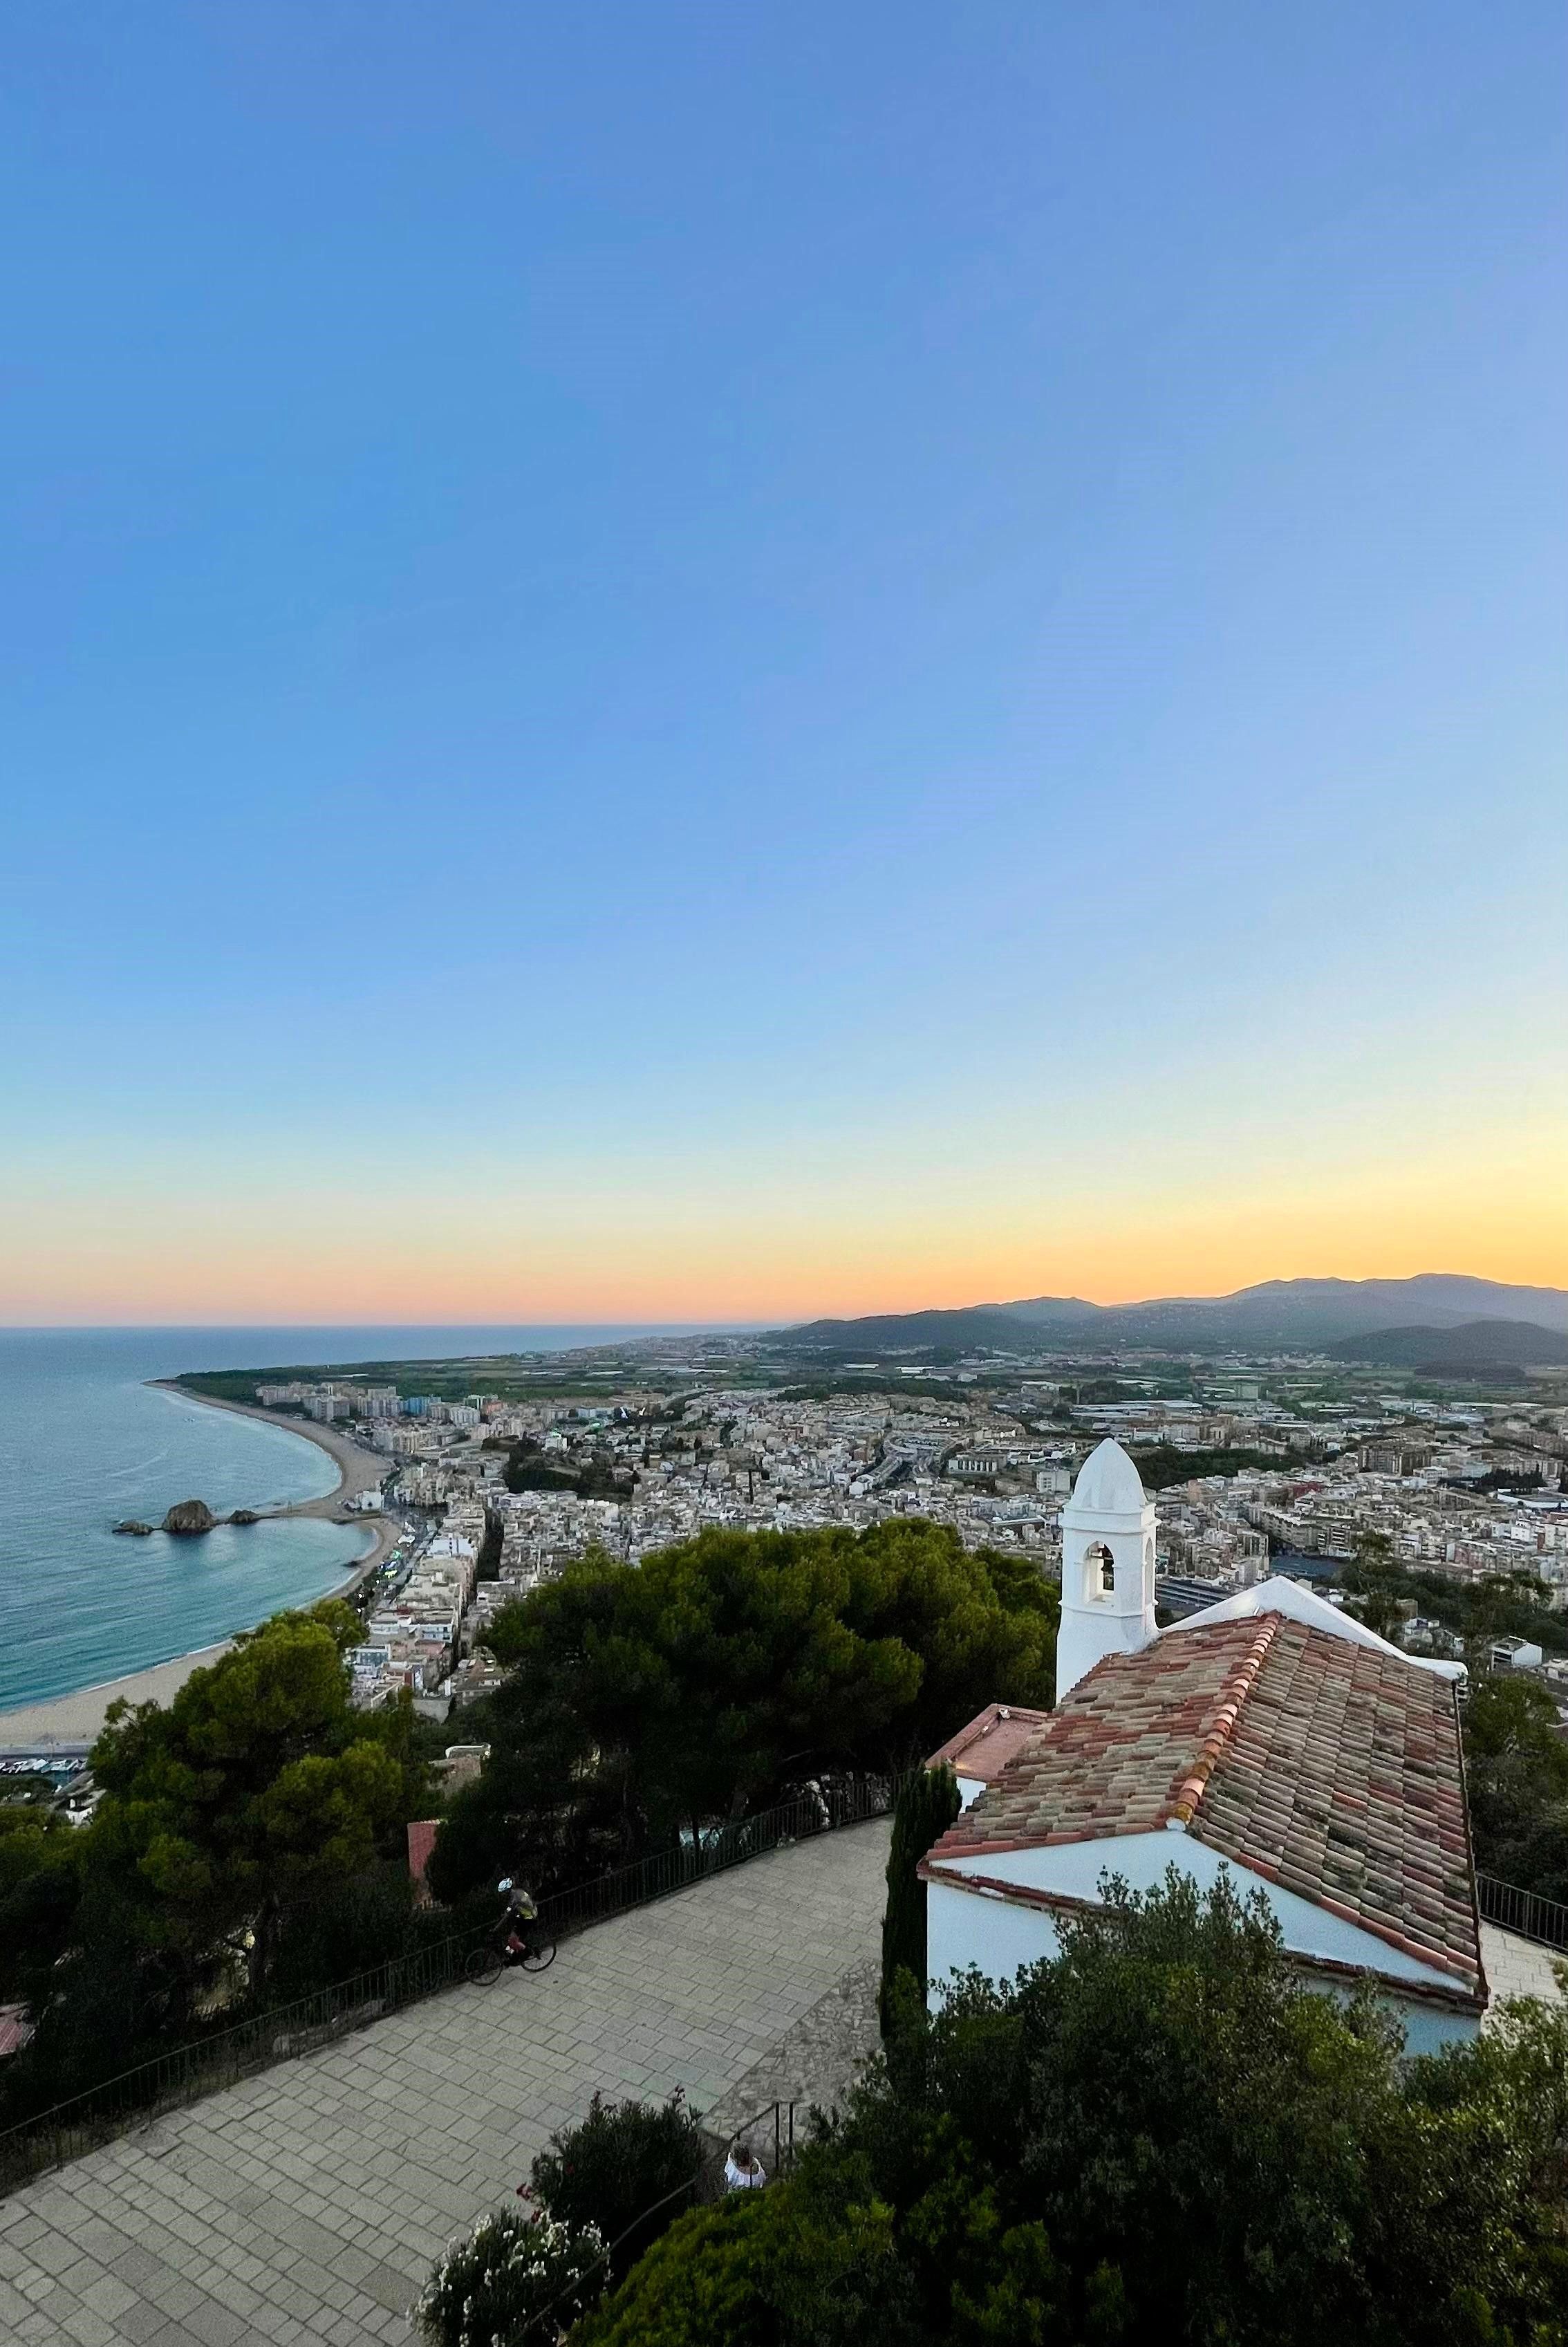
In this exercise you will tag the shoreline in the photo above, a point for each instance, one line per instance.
(77, 1718)
(78, 1715)
(358, 1470)
(347, 1457)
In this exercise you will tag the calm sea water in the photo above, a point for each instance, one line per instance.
(84, 1441)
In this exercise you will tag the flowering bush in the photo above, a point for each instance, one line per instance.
(628, 2169)
(515, 2275)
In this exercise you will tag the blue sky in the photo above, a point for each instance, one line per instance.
(677, 660)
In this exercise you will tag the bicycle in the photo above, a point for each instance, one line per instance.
(486, 1963)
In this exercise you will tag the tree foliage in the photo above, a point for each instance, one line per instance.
(628, 2169)
(1159, 2137)
(1500, 1603)
(39, 1891)
(927, 1804)
(248, 1848)
(650, 1700)
(1516, 1766)
(1165, 1464)
(257, 1787)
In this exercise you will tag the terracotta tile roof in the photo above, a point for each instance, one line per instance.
(15, 2029)
(1325, 1766)
(992, 1739)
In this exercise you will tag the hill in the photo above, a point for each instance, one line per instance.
(1283, 1315)
(1477, 1344)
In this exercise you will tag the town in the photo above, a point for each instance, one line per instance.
(1249, 1475)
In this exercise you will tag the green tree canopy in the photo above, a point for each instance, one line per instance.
(1516, 1778)
(1157, 2140)
(39, 1882)
(248, 1848)
(927, 1804)
(649, 1699)
(256, 1787)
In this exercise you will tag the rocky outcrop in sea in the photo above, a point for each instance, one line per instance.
(189, 1516)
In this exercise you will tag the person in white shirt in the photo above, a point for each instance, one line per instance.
(744, 2171)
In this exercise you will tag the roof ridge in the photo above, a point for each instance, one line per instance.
(1235, 1687)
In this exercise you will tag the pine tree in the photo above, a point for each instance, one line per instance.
(927, 1807)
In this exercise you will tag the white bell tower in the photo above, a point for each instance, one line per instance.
(1107, 1566)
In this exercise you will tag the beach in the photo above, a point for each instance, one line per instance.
(358, 1470)
(70, 1717)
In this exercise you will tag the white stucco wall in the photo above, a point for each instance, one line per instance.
(1428, 2031)
(1074, 1868)
(969, 1927)
(964, 1928)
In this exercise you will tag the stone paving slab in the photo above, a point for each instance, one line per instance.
(1516, 1967)
(306, 2205)
(816, 2062)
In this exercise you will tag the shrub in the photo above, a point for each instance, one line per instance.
(625, 2170)
(774, 2269)
(512, 2268)
(926, 1807)
(702, 2286)
(1160, 2137)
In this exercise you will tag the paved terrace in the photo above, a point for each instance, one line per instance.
(307, 2204)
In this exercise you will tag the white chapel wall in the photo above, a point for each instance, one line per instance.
(1073, 1870)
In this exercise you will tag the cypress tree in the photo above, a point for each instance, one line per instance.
(926, 1807)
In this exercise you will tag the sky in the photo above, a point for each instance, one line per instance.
(678, 663)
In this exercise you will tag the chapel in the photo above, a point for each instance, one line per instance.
(1270, 1737)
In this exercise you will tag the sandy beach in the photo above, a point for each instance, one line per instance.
(358, 1469)
(70, 1717)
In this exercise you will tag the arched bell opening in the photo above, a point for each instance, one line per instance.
(1099, 1574)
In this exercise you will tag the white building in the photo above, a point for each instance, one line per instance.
(1107, 1566)
(1269, 1739)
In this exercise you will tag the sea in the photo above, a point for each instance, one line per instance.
(85, 1441)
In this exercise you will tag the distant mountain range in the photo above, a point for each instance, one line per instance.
(1279, 1315)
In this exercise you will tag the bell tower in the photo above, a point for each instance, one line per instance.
(1107, 1566)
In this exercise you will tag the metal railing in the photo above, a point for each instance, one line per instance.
(707, 2183)
(205, 2064)
(1525, 1913)
(696, 1855)
(780, 2118)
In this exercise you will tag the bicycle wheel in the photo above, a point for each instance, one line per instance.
(541, 1954)
(483, 1966)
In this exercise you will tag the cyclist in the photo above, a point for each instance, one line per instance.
(520, 1909)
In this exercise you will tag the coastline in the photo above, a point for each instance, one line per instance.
(357, 1470)
(74, 1718)
(78, 1716)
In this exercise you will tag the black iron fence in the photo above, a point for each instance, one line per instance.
(696, 1855)
(708, 2182)
(775, 2125)
(202, 2065)
(1523, 1911)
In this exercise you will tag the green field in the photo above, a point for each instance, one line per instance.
(515, 1377)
